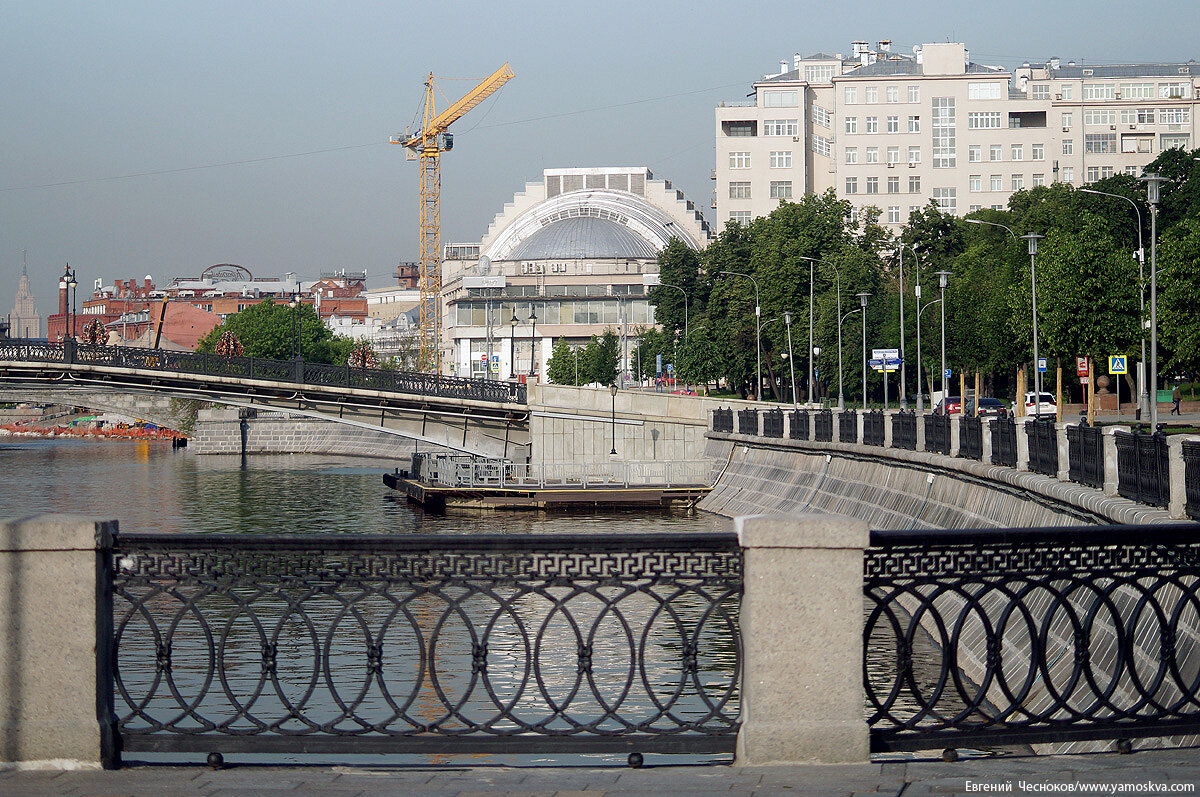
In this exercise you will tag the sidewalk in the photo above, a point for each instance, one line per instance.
(1147, 772)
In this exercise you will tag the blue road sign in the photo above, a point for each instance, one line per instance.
(1117, 364)
(1042, 364)
(948, 373)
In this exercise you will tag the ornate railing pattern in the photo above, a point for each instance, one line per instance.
(798, 428)
(904, 430)
(970, 437)
(1143, 469)
(295, 371)
(873, 434)
(1085, 455)
(1004, 442)
(823, 430)
(848, 426)
(1043, 447)
(937, 433)
(772, 423)
(723, 420)
(1191, 478)
(370, 644)
(747, 422)
(994, 637)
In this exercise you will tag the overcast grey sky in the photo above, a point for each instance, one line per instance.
(118, 119)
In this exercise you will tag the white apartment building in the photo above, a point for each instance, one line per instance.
(894, 131)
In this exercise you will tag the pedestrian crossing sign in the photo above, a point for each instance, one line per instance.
(1117, 364)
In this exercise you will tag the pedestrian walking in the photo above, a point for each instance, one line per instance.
(1175, 397)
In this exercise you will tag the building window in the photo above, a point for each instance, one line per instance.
(872, 124)
(1016, 152)
(851, 185)
(872, 154)
(973, 208)
(914, 124)
(1068, 174)
(914, 184)
(781, 160)
(1100, 116)
(975, 182)
(1180, 90)
(1040, 91)
(1137, 143)
(1132, 171)
(851, 154)
(893, 155)
(1093, 174)
(985, 91)
(1100, 143)
(1174, 142)
(1067, 91)
(893, 94)
(822, 145)
(872, 94)
(739, 190)
(1018, 182)
(893, 214)
(1173, 116)
(739, 160)
(740, 216)
(1137, 91)
(996, 152)
(851, 95)
(781, 189)
(851, 124)
(818, 74)
(739, 129)
(997, 183)
(1099, 91)
(1038, 152)
(779, 99)
(893, 124)
(1068, 147)
(946, 199)
(872, 185)
(914, 93)
(983, 120)
(1066, 121)
(914, 155)
(893, 185)
(781, 127)
(1038, 179)
(943, 133)
(974, 153)
(820, 116)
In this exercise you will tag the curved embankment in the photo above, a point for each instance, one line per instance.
(894, 489)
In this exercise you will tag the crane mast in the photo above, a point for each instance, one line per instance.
(426, 145)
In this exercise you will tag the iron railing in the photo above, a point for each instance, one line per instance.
(465, 471)
(823, 428)
(1043, 446)
(723, 420)
(423, 644)
(873, 434)
(1004, 441)
(904, 430)
(970, 437)
(1143, 467)
(798, 428)
(292, 371)
(993, 637)
(747, 422)
(848, 426)
(772, 423)
(937, 433)
(1085, 454)
(1191, 478)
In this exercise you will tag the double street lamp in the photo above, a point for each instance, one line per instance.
(787, 319)
(512, 345)
(1153, 195)
(757, 332)
(862, 300)
(838, 277)
(943, 278)
(72, 288)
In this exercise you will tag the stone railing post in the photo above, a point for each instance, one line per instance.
(986, 436)
(920, 432)
(801, 618)
(860, 421)
(55, 640)
(955, 434)
(1022, 444)
(1064, 452)
(1110, 457)
(889, 420)
(1178, 499)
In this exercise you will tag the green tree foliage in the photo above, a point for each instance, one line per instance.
(268, 330)
(599, 360)
(562, 366)
(1179, 296)
(678, 266)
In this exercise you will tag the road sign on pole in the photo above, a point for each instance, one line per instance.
(1042, 364)
(947, 372)
(1117, 364)
(1081, 366)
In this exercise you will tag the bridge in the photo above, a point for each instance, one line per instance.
(473, 416)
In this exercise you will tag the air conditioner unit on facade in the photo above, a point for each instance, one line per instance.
(796, 139)
(1066, 130)
(1058, 96)
(1112, 127)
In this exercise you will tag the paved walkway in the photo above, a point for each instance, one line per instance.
(1144, 772)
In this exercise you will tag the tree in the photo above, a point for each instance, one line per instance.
(563, 367)
(1179, 296)
(269, 330)
(598, 362)
(678, 266)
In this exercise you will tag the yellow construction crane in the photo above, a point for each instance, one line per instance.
(427, 144)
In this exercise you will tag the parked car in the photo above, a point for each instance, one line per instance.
(1045, 405)
(988, 408)
(949, 406)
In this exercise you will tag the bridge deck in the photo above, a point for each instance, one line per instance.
(439, 496)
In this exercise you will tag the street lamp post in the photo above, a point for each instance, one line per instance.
(1033, 238)
(72, 289)
(816, 350)
(811, 265)
(903, 363)
(757, 332)
(862, 300)
(532, 340)
(685, 306)
(838, 278)
(1143, 394)
(943, 277)
(1153, 186)
(787, 319)
(613, 389)
(295, 305)
(512, 346)
(575, 351)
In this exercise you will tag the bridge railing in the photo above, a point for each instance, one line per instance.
(823, 426)
(747, 422)
(937, 433)
(1004, 441)
(293, 371)
(1143, 467)
(848, 426)
(798, 428)
(873, 431)
(904, 430)
(772, 423)
(1043, 446)
(1191, 478)
(723, 419)
(970, 437)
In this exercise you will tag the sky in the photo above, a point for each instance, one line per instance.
(159, 137)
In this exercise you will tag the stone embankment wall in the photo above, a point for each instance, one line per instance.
(221, 432)
(901, 489)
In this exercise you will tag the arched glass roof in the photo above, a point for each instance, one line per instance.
(583, 237)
